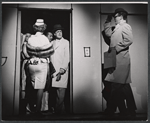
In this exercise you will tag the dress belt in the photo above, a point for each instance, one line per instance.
(36, 61)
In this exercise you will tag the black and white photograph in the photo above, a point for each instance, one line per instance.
(74, 61)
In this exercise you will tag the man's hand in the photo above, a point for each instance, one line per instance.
(111, 70)
(110, 49)
(58, 77)
(109, 18)
(62, 71)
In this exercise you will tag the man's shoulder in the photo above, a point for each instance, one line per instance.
(65, 40)
(126, 25)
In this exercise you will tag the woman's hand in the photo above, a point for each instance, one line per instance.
(109, 18)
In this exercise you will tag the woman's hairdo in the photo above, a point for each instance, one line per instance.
(40, 28)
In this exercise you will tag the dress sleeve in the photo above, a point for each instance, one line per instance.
(127, 38)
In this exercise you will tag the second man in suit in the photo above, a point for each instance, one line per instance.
(60, 60)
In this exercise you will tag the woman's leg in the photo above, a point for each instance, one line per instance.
(39, 100)
(38, 80)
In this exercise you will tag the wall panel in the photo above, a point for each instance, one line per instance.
(139, 61)
(86, 70)
(9, 29)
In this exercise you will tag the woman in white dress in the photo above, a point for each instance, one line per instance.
(38, 49)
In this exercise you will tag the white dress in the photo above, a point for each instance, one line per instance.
(38, 72)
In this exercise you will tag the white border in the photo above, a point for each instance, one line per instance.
(74, 2)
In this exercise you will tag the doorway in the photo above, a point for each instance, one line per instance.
(51, 17)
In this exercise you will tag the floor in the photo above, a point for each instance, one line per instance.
(76, 117)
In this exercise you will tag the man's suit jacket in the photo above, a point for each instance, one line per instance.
(60, 59)
(120, 38)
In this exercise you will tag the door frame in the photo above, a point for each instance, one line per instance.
(18, 65)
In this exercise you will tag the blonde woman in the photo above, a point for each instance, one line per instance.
(38, 49)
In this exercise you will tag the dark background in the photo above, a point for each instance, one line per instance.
(51, 17)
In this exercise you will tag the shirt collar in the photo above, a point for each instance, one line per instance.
(59, 40)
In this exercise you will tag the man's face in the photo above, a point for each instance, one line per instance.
(58, 34)
(117, 18)
(50, 36)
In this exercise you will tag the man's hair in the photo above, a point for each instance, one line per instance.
(124, 14)
(40, 28)
(48, 33)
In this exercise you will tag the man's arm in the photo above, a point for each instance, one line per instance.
(127, 38)
(66, 57)
(107, 26)
(64, 66)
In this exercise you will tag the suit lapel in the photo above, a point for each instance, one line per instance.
(57, 44)
(117, 27)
